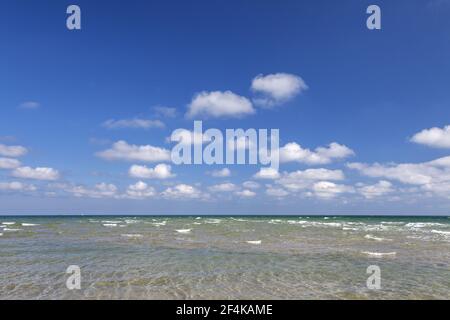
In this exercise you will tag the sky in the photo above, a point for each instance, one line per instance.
(363, 115)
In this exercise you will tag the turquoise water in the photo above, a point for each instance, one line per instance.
(224, 257)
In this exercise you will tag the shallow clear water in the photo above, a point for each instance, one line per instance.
(224, 257)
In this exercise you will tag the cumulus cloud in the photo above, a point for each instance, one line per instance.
(101, 190)
(12, 151)
(277, 88)
(29, 105)
(165, 112)
(304, 179)
(432, 176)
(15, 186)
(433, 137)
(140, 190)
(182, 191)
(293, 152)
(217, 104)
(8, 163)
(160, 171)
(327, 189)
(135, 123)
(223, 187)
(267, 173)
(187, 137)
(251, 185)
(378, 189)
(222, 173)
(245, 193)
(40, 173)
(121, 150)
(276, 192)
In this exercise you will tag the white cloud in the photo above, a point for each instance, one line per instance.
(40, 173)
(166, 112)
(29, 105)
(182, 191)
(327, 189)
(434, 137)
(222, 173)
(16, 186)
(322, 155)
(277, 88)
(245, 193)
(121, 150)
(101, 190)
(219, 104)
(7, 163)
(187, 137)
(140, 190)
(276, 192)
(267, 173)
(135, 123)
(12, 151)
(432, 176)
(302, 180)
(160, 171)
(251, 185)
(375, 190)
(223, 187)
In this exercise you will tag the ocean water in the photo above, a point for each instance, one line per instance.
(224, 257)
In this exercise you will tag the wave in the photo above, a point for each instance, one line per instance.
(137, 235)
(379, 254)
(110, 224)
(254, 242)
(370, 237)
(29, 224)
(183, 230)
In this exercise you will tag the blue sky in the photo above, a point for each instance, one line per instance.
(382, 96)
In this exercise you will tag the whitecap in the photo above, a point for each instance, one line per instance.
(158, 224)
(8, 223)
(379, 254)
(110, 225)
(111, 221)
(370, 237)
(29, 224)
(441, 232)
(198, 218)
(11, 230)
(213, 221)
(254, 242)
(137, 235)
(183, 230)
(1, 234)
(196, 223)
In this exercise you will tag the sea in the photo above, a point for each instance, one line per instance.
(224, 257)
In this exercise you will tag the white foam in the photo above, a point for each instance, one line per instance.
(198, 218)
(368, 236)
(158, 224)
(213, 221)
(1, 234)
(379, 254)
(110, 225)
(8, 223)
(11, 230)
(254, 242)
(441, 232)
(29, 224)
(111, 221)
(137, 235)
(183, 230)
(196, 223)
